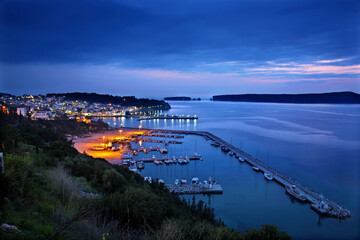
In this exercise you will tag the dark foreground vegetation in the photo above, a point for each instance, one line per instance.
(50, 191)
(106, 99)
(335, 97)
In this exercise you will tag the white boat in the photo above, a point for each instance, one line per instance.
(294, 191)
(133, 168)
(163, 150)
(241, 160)
(183, 181)
(148, 179)
(231, 153)
(127, 155)
(322, 207)
(256, 169)
(268, 176)
(176, 181)
(140, 165)
(174, 159)
(156, 162)
(196, 156)
(186, 159)
(161, 181)
(167, 161)
(153, 157)
(195, 180)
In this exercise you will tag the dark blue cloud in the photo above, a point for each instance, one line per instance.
(175, 34)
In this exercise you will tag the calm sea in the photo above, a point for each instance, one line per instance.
(318, 145)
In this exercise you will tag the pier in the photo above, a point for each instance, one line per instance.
(312, 197)
(142, 118)
(194, 189)
(162, 159)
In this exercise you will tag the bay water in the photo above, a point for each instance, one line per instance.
(316, 144)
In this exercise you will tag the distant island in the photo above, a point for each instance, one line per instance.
(311, 98)
(106, 99)
(181, 99)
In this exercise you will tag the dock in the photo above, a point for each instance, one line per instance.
(194, 189)
(313, 198)
(164, 135)
(162, 159)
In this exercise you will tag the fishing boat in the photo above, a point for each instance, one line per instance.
(256, 169)
(268, 176)
(156, 162)
(294, 192)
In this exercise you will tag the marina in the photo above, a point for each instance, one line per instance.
(331, 209)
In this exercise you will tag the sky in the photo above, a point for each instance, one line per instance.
(179, 48)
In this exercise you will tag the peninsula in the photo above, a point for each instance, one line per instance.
(311, 98)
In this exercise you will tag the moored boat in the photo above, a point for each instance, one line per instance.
(183, 181)
(231, 153)
(241, 160)
(148, 179)
(140, 165)
(268, 176)
(224, 148)
(294, 192)
(321, 208)
(195, 180)
(215, 144)
(256, 169)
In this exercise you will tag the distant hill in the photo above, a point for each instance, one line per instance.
(177, 98)
(6, 95)
(106, 98)
(311, 98)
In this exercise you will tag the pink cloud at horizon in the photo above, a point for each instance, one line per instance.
(310, 69)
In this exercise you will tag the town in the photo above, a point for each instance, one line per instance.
(59, 107)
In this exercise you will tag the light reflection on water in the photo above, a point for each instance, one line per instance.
(319, 145)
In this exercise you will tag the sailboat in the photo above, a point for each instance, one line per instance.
(268, 176)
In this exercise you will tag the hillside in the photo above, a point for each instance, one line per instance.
(312, 98)
(51, 191)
